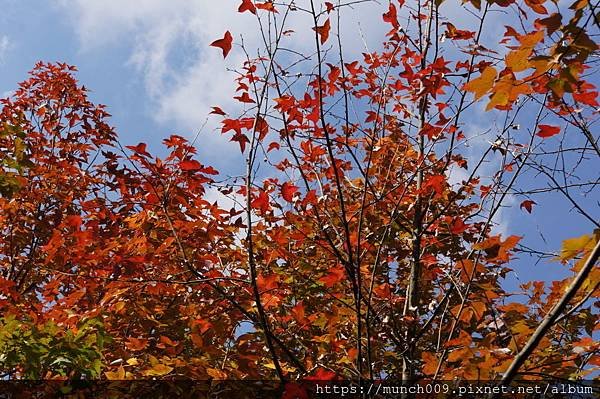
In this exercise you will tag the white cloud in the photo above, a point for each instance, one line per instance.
(5, 46)
(168, 44)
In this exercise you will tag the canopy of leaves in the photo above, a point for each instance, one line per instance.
(355, 256)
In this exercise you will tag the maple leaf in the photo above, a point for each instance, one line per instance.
(273, 146)
(527, 205)
(391, 16)
(136, 344)
(217, 111)
(574, 246)
(247, 5)
(329, 7)
(190, 165)
(224, 44)
(457, 34)
(267, 6)
(245, 98)
(158, 370)
(436, 182)
(517, 60)
(458, 226)
(547, 131)
(335, 275)
(261, 127)
(481, 85)
(323, 31)
(261, 202)
(288, 190)
(589, 98)
(139, 149)
(551, 23)
(322, 375)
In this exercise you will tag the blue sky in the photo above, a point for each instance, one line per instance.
(150, 63)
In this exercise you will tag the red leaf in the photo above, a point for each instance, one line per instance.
(436, 182)
(73, 221)
(329, 6)
(247, 5)
(527, 204)
(288, 190)
(458, 226)
(548, 131)
(589, 98)
(217, 111)
(323, 31)
(245, 98)
(322, 375)
(261, 202)
(261, 127)
(224, 43)
(391, 16)
(241, 139)
(139, 149)
(190, 164)
(457, 34)
(209, 170)
(274, 145)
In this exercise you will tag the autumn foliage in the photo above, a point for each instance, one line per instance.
(350, 251)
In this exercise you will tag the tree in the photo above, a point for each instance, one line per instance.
(353, 251)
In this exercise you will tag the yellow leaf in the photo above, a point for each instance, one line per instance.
(159, 370)
(518, 60)
(116, 375)
(133, 361)
(521, 328)
(119, 306)
(481, 85)
(500, 98)
(573, 246)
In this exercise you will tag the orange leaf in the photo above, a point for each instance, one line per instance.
(136, 344)
(247, 5)
(483, 83)
(224, 43)
(517, 60)
(335, 275)
(323, 31)
(527, 204)
(267, 6)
